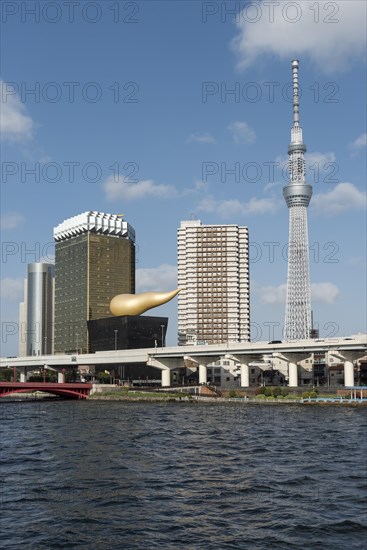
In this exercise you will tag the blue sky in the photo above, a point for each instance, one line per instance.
(166, 111)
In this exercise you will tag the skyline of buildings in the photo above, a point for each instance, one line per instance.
(213, 269)
(298, 303)
(94, 261)
(83, 223)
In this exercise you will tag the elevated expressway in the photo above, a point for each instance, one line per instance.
(168, 359)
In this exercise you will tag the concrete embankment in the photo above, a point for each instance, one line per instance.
(163, 397)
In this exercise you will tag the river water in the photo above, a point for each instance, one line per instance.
(100, 475)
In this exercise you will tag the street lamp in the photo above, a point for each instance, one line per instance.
(45, 345)
(77, 343)
(116, 332)
(162, 327)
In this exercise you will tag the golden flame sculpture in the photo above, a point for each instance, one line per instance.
(135, 304)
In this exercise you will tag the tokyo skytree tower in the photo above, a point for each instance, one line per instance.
(297, 195)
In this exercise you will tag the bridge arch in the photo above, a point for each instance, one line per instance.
(67, 391)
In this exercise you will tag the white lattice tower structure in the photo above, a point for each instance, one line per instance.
(297, 195)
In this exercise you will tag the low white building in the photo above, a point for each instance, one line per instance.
(224, 373)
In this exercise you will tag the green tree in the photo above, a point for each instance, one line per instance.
(71, 375)
(104, 377)
(7, 375)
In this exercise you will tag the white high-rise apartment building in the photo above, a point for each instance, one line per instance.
(213, 270)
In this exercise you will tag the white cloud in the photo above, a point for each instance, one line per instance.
(201, 185)
(325, 293)
(12, 220)
(121, 189)
(273, 294)
(321, 292)
(12, 289)
(331, 34)
(319, 161)
(273, 185)
(360, 142)
(201, 138)
(282, 161)
(15, 124)
(162, 278)
(242, 132)
(230, 208)
(344, 196)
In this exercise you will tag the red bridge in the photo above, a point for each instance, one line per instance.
(75, 390)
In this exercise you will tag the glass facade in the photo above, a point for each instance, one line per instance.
(127, 332)
(91, 268)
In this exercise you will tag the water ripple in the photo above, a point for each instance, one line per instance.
(163, 475)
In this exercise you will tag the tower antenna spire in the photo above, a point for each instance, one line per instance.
(295, 64)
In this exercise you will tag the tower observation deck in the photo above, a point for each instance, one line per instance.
(297, 195)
